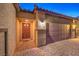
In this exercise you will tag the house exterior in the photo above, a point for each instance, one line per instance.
(22, 29)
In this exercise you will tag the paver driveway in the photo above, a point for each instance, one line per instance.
(68, 47)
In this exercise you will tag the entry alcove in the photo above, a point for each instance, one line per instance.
(25, 29)
(26, 34)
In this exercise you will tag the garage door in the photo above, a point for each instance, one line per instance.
(56, 32)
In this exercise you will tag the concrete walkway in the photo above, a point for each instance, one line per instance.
(68, 47)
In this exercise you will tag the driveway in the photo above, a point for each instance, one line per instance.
(68, 47)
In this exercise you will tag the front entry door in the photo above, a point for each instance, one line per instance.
(26, 31)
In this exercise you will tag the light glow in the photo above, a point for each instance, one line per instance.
(25, 20)
(68, 27)
(73, 26)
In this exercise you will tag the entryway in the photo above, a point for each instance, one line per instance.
(26, 34)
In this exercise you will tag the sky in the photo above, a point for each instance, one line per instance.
(69, 9)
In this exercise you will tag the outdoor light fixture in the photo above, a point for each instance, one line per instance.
(73, 26)
(68, 27)
(25, 20)
(73, 21)
(26, 24)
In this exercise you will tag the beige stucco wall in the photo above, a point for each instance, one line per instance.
(26, 15)
(8, 20)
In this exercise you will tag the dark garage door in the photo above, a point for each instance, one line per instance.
(56, 32)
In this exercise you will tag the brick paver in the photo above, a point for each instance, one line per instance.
(62, 48)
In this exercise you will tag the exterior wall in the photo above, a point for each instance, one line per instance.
(55, 19)
(26, 15)
(8, 20)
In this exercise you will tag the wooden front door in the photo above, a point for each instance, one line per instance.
(26, 31)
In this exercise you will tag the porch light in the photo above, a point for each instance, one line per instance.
(68, 27)
(26, 24)
(25, 20)
(73, 26)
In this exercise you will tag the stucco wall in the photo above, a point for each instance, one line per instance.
(8, 20)
(55, 19)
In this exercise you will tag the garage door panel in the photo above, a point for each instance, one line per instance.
(58, 32)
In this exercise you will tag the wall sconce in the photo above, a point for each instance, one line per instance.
(73, 21)
(26, 24)
(73, 26)
(25, 20)
(68, 27)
